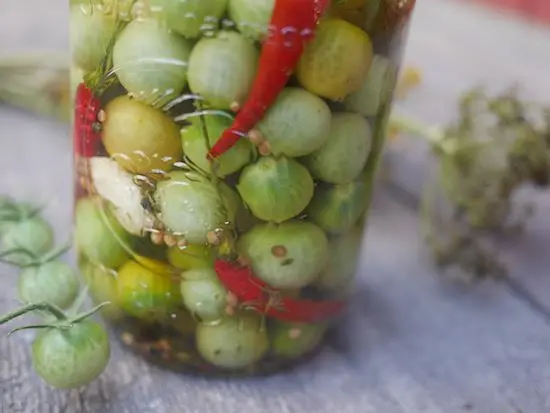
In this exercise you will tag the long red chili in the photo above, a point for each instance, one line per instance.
(86, 134)
(292, 25)
(257, 294)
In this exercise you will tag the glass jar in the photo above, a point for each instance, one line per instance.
(225, 152)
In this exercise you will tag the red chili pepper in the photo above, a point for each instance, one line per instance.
(292, 25)
(257, 294)
(240, 281)
(86, 134)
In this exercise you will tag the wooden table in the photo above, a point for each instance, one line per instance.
(415, 344)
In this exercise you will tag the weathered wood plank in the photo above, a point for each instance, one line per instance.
(459, 46)
(529, 254)
(412, 343)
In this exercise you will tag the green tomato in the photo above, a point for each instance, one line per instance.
(294, 340)
(72, 357)
(91, 31)
(337, 208)
(190, 18)
(98, 234)
(234, 343)
(288, 255)
(377, 88)
(120, 8)
(140, 138)
(182, 322)
(297, 124)
(203, 294)
(195, 145)
(222, 69)
(337, 61)
(361, 13)
(53, 282)
(102, 284)
(339, 274)
(191, 206)
(276, 189)
(252, 17)
(146, 289)
(344, 155)
(32, 234)
(151, 62)
(191, 257)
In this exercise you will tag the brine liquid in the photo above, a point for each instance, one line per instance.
(290, 200)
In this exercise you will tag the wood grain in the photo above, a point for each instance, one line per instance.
(411, 343)
(459, 46)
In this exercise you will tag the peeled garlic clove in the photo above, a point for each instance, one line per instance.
(116, 185)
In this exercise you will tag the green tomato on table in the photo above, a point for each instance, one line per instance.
(72, 357)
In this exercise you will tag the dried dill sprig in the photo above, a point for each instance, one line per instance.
(497, 145)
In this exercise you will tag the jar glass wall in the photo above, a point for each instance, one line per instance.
(225, 152)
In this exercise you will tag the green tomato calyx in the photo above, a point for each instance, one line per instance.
(62, 319)
(11, 211)
(33, 260)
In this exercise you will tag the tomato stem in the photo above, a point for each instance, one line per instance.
(46, 307)
(435, 136)
(53, 254)
(88, 314)
(80, 299)
(23, 251)
(31, 327)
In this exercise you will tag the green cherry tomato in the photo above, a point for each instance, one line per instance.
(233, 343)
(53, 282)
(190, 18)
(287, 255)
(276, 189)
(294, 340)
(376, 90)
(297, 124)
(71, 357)
(203, 294)
(139, 137)
(344, 155)
(120, 8)
(191, 257)
(32, 234)
(146, 289)
(337, 61)
(102, 284)
(222, 69)
(91, 30)
(99, 235)
(196, 148)
(337, 208)
(190, 205)
(338, 275)
(151, 62)
(252, 16)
